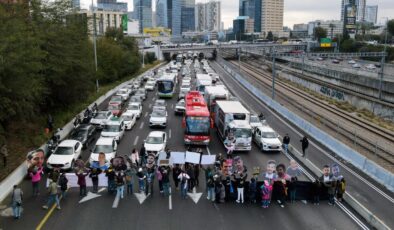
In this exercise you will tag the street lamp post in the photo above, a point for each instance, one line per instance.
(94, 43)
(383, 61)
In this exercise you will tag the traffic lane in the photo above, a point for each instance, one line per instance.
(376, 203)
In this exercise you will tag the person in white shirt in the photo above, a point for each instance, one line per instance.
(183, 178)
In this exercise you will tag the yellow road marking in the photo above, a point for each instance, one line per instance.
(46, 217)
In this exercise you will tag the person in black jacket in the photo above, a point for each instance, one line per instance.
(286, 142)
(63, 184)
(304, 144)
(94, 175)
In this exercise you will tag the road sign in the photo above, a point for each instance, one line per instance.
(325, 42)
(124, 22)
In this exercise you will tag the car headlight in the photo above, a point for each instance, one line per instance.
(248, 144)
(187, 140)
(206, 141)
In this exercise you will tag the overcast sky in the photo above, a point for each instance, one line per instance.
(296, 11)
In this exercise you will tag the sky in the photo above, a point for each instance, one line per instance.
(296, 11)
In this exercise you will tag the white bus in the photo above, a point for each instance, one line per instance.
(166, 85)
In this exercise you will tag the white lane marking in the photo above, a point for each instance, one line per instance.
(320, 149)
(349, 213)
(146, 114)
(153, 99)
(136, 140)
(169, 133)
(116, 202)
(172, 106)
(142, 125)
(209, 152)
(169, 200)
(150, 105)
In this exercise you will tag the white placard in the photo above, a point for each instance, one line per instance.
(73, 180)
(192, 157)
(208, 159)
(177, 158)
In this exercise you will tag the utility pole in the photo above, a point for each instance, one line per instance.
(94, 43)
(273, 74)
(383, 61)
(239, 60)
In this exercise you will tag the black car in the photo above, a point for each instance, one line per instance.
(83, 133)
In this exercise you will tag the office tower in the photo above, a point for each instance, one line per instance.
(161, 13)
(208, 16)
(371, 14)
(143, 13)
(183, 18)
(271, 16)
(360, 8)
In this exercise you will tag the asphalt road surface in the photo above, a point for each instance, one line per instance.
(154, 213)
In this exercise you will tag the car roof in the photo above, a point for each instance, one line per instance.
(156, 134)
(83, 127)
(135, 103)
(265, 129)
(105, 141)
(68, 143)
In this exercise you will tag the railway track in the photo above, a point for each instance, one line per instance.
(331, 118)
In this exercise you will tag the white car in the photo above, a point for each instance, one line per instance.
(129, 120)
(124, 93)
(357, 66)
(150, 85)
(180, 107)
(370, 66)
(141, 92)
(255, 121)
(183, 92)
(135, 108)
(114, 129)
(160, 103)
(267, 139)
(158, 118)
(101, 118)
(352, 62)
(155, 142)
(106, 145)
(65, 155)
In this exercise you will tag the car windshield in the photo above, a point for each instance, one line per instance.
(181, 103)
(133, 107)
(116, 99)
(122, 92)
(136, 99)
(113, 107)
(150, 83)
(165, 86)
(63, 151)
(254, 119)
(268, 135)
(140, 91)
(127, 117)
(158, 113)
(77, 134)
(103, 148)
(160, 103)
(154, 140)
(111, 128)
(101, 116)
(198, 125)
(244, 133)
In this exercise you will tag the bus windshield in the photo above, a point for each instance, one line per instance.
(165, 86)
(198, 125)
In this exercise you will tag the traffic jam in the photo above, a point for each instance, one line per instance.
(206, 108)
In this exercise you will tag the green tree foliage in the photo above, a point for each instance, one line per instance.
(270, 36)
(390, 26)
(319, 33)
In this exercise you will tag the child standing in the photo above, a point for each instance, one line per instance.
(316, 192)
(252, 190)
(292, 189)
(266, 191)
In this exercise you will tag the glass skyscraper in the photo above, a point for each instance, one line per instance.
(183, 16)
(143, 12)
(161, 13)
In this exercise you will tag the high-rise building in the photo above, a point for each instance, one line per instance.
(371, 14)
(169, 13)
(208, 16)
(143, 13)
(161, 13)
(183, 18)
(252, 9)
(242, 25)
(110, 5)
(360, 7)
(271, 16)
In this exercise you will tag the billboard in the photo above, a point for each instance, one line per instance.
(124, 22)
(325, 42)
(350, 19)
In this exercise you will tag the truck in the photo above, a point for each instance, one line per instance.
(202, 80)
(213, 94)
(232, 120)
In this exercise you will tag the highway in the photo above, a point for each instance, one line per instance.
(158, 212)
(369, 193)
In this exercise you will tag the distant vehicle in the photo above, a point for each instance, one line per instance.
(106, 145)
(335, 61)
(158, 118)
(255, 121)
(352, 62)
(203, 80)
(65, 155)
(136, 99)
(155, 142)
(114, 129)
(135, 108)
(370, 66)
(141, 92)
(180, 107)
(84, 133)
(116, 99)
(166, 85)
(320, 59)
(129, 120)
(101, 118)
(357, 66)
(160, 103)
(124, 93)
(233, 42)
(116, 109)
(267, 139)
(150, 85)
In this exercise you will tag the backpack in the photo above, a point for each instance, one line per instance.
(183, 180)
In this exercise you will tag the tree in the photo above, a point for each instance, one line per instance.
(390, 26)
(270, 36)
(319, 33)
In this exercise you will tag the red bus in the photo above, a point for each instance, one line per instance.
(197, 121)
